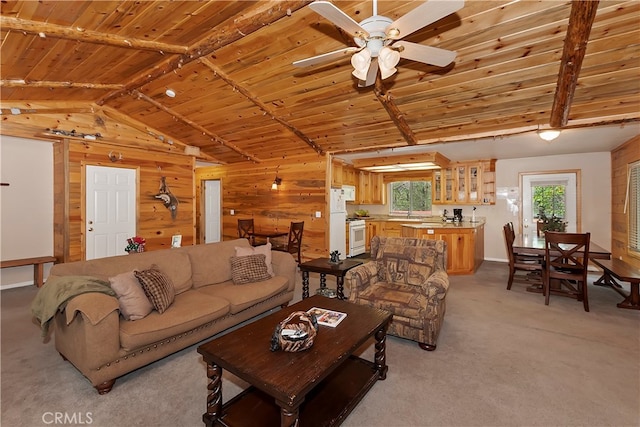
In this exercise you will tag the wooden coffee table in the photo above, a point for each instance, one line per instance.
(316, 387)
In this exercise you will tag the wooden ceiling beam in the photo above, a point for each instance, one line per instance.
(262, 14)
(581, 20)
(44, 30)
(261, 105)
(196, 126)
(394, 112)
(57, 85)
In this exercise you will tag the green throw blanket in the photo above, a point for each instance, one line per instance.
(53, 296)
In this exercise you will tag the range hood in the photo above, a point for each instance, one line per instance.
(403, 163)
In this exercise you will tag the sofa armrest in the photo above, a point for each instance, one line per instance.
(361, 277)
(284, 264)
(87, 333)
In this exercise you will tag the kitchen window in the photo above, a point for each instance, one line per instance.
(410, 198)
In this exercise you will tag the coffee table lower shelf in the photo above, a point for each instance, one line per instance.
(327, 404)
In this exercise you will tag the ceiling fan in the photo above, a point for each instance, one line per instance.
(379, 37)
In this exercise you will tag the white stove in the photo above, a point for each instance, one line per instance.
(357, 236)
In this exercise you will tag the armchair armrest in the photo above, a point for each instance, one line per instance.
(361, 277)
(437, 284)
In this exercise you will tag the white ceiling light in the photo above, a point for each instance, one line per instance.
(387, 60)
(361, 62)
(170, 93)
(548, 134)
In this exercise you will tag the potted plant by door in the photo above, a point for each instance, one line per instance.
(552, 223)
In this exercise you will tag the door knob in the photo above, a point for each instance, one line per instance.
(90, 228)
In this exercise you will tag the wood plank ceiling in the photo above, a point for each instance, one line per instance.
(520, 65)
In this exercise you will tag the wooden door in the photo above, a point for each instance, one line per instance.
(110, 210)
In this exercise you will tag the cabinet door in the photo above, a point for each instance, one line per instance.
(437, 187)
(336, 174)
(448, 185)
(364, 188)
(460, 251)
(392, 229)
(377, 188)
(372, 229)
(475, 179)
(461, 184)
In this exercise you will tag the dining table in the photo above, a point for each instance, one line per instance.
(265, 236)
(535, 245)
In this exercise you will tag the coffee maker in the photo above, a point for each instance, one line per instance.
(457, 215)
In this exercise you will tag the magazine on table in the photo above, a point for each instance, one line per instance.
(327, 317)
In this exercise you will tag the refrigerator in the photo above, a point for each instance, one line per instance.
(337, 223)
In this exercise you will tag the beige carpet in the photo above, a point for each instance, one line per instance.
(503, 359)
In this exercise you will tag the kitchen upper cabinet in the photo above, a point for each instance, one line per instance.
(336, 173)
(469, 183)
(370, 189)
(349, 175)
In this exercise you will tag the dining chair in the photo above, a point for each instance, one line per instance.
(246, 230)
(532, 264)
(294, 241)
(566, 261)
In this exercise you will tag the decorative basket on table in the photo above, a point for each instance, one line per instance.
(293, 337)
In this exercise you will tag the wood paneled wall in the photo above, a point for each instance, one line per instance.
(621, 157)
(154, 221)
(247, 191)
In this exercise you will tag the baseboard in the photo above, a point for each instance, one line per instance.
(16, 285)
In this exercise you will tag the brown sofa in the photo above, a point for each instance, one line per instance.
(92, 335)
(407, 277)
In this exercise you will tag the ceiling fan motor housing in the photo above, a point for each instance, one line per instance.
(375, 26)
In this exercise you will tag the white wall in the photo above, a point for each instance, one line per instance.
(596, 198)
(26, 206)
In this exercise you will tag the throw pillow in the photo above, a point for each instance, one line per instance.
(157, 287)
(249, 269)
(264, 249)
(134, 304)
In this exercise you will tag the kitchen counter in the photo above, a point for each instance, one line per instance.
(455, 225)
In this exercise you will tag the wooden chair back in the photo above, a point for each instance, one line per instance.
(567, 259)
(294, 245)
(530, 263)
(246, 229)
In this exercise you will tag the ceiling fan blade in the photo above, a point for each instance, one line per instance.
(426, 54)
(339, 18)
(326, 57)
(427, 13)
(372, 73)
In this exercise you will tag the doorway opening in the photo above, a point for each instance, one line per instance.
(211, 223)
(550, 195)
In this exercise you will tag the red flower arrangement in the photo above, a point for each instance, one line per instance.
(135, 244)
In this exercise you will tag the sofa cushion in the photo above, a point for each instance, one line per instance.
(249, 269)
(175, 263)
(242, 297)
(210, 262)
(157, 287)
(263, 249)
(133, 302)
(399, 299)
(189, 310)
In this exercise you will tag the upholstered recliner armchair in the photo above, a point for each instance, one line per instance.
(407, 277)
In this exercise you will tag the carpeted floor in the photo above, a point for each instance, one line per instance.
(503, 359)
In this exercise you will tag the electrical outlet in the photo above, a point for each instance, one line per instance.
(318, 214)
(232, 212)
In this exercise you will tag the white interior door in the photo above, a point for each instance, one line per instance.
(110, 210)
(568, 180)
(212, 211)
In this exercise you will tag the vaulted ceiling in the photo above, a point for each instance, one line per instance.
(520, 65)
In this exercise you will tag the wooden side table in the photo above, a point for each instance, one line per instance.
(324, 267)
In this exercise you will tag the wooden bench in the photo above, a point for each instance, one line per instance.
(625, 272)
(38, 266)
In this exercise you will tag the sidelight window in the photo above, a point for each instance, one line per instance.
(633, 207)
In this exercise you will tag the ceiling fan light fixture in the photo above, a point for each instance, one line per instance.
(361, 62)
(393, 32)
(387, 60)
(548, 134)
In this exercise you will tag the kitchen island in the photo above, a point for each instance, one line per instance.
(465, 242)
